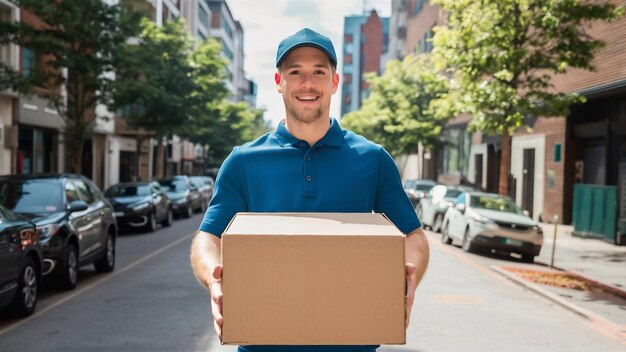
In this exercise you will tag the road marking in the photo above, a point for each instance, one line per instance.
(456, 299)
(96, 283)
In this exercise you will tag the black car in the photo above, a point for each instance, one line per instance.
(185, 197)
(20, 264)
(140, 205)
(75, 223)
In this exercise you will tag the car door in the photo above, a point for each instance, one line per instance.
(457, 218)
(92, 219)
(159, 201)
(77, 219)
(9, 257)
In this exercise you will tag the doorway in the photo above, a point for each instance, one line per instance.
(528, 181)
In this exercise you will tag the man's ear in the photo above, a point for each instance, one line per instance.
(277, 80)
(335, 82)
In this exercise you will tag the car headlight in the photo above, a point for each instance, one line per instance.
(538, 229)
(179, 200)
(45, 231)
(141, 206)
(482, 219)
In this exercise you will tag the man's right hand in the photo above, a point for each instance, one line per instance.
(215, 286)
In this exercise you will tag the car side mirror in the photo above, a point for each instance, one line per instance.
(77, 205)
(526, 213)
(460, 207)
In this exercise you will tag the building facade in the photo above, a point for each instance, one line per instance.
(365, 41)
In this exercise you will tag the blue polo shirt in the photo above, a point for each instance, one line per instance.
(343, 172)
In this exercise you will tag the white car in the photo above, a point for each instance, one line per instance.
(432, 208)
(492, 222)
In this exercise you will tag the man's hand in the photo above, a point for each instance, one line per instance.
(215, 286)
(411, 285)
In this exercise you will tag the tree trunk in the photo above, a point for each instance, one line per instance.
(159, 159)
(505, 164)
(140, 141)
(75, 156)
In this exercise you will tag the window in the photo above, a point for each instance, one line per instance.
(347, 78)
(419, 4)
(347, 59)
(84, 191)
(226, 27)
(347, 38)
(29, 62)
(203, 16)
(70, 192)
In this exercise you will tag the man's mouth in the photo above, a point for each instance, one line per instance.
(307, 98)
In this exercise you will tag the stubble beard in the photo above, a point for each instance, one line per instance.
(306, 117)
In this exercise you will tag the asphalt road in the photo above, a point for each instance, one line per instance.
(152, 302)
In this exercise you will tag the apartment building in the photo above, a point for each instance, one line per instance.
(9, 101)
(365, 42)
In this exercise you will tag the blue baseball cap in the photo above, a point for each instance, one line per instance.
(306, 37)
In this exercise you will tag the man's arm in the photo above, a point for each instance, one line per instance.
(206, 262)
(416, 255)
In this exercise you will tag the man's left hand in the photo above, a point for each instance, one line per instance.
(411, 269)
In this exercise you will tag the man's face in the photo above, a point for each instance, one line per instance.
(306, 80)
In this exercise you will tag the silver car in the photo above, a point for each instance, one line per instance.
(492, 222)
(432, 208)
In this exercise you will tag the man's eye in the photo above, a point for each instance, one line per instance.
(320, 72)
(293, 73)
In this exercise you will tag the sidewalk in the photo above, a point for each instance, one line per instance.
(592, 259)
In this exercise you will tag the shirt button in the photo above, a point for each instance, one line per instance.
(308, 178)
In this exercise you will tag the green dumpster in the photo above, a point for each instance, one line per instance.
(594, 211)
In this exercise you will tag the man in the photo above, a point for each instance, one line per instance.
(309, 164)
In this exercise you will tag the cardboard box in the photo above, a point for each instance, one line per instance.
(313, 279)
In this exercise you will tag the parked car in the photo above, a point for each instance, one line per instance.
(140, 205)
(490, 221)
(20, 264)
(205, 186)
(432, 208)
(417, 189)
(185, 197)
(75, 223)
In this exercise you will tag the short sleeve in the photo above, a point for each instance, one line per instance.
(228, 196)
(390, 196)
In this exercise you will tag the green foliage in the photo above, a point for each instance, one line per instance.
(224, 125)
(163, 83)
(408, 104)
(79, 36)
(505, 53)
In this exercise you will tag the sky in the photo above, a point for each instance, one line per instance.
(267, 22)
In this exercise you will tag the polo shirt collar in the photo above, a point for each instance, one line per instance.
(334, 136)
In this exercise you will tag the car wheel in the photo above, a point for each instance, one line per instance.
(445, 236)
(528, 258)
(69, 275)
(169, 219)
(438, 222)
(467, 243)
(25, 299)
(187, 212)
(151, 225)
(107, 263)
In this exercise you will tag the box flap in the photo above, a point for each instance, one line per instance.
(345, 224)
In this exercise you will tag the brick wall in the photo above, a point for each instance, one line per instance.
(372, 31)
(418, 25)
(610, 62)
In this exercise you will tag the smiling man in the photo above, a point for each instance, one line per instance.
(309, 164)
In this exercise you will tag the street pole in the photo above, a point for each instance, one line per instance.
(555, 219)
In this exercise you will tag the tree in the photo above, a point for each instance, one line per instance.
(407, 105)
(164, 84)
(226, 124)
(505, 53)
(79, 37)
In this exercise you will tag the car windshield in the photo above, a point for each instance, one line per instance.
(31, 196)
(197, 181)
(423, 187)
(174, 185)
(128, 191)
(494, 203)
(452, 193)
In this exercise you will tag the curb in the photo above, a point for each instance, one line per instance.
(607, 287)
(562, 302)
